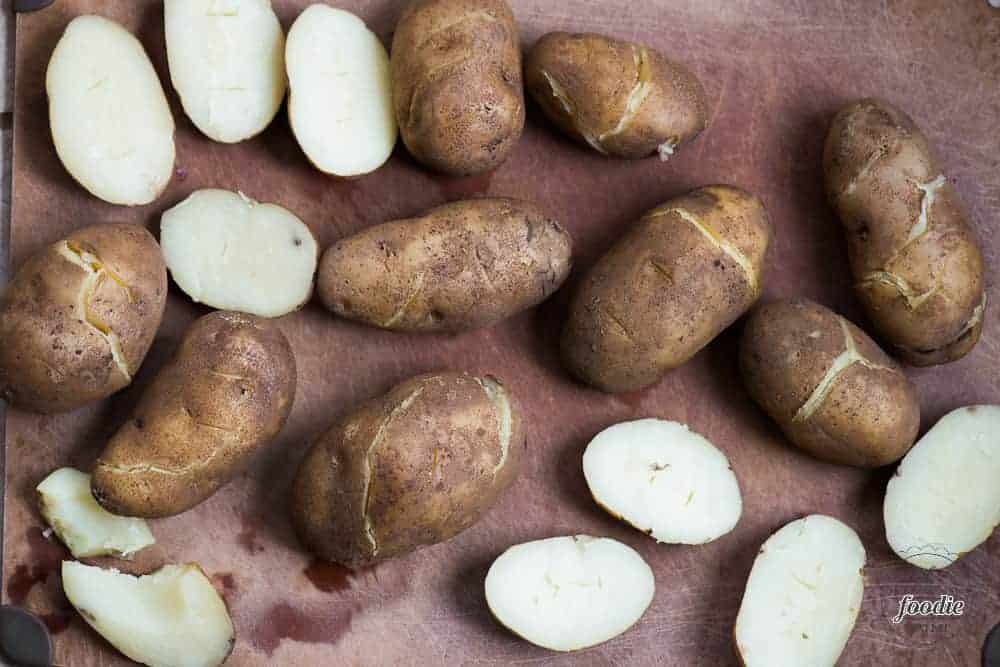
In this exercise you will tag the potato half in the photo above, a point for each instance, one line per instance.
(340, 100)
(944, 499)
(170, 618)
(803, 595)
(663, 479)
(110, 121)
(227, 63)
(77, 318)
(411, 468)
(569, 593)
(85, 527)
(225, 250)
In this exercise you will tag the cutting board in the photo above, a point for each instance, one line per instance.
(775, 72)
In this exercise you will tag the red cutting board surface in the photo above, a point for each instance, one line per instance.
(775, 72)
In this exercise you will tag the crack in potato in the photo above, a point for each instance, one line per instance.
(401, 311)
(866, 169)
(498, 397)
(929, 191)
(971, 323)
(914, 299)
(636, 96)
(722, 244)
(159, 470)
(621, 327)
(467, 17)
(570, 108)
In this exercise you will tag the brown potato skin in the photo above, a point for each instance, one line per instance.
(664, 290)
(226, 393)
(598, 75)
(877, 148)
(432, 444)
(456, 83)
(869, 418)
(52, 360)
(460, 266)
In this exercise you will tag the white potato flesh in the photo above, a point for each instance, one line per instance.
(85, 527)
(110, 121)
(568, 593)
(225, 250)
(803, 595)
(944, 499)
(171, 618)
(227, 63)
(340, 99)
(663, 479)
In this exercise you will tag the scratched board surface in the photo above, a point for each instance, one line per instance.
(775, 72)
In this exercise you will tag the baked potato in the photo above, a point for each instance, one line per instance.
(914, 254)
(678, 277)
(78, 317)
(226, 393)
(622, 99)
(460, 266)
(831, 389)
(411, 468)
(456, 83)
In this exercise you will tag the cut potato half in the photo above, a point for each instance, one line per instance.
(665, 480)
(227, 63)
(110, 121)
(340, 100)
(85, 527)
(568, 593)
(944, 499)
(803, 595)
(225, 250)
(171, 618)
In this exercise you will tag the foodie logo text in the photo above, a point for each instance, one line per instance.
(944, 605)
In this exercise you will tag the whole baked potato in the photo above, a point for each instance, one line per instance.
(676, 279)
(460, 266)
(78, 317)
(913, 250)
(411, 468)
(456, 83)
(226, 393)
(831, 389)
(621, 99)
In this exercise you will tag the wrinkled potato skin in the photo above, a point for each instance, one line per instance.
(597, 76)
(433, 451)
(461, 266)
(874, 158)
(52, 359)
(869, 418)
(456, 83)
(226, 393)
(664, 290)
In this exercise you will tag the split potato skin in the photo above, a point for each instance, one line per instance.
(79, 317)
(456, 83)
(411, 468)
(676, 279)
(226, 393)
(460, 266)
(914, 254)
(110, 121)
(622, 99)
(831, 389)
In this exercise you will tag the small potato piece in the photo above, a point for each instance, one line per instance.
(85, 527)
(803, 595)
(456, 83)
(831, 389)
(78, 318)
(676, 279)
(569, 593)
(461, 266)
(226, 393)
(225, 250)
(340, 105)
(622, 99)
(912, 246)
(110, 121)
(411, 468)
(664, 480)
(227, 63)
(171, 618)
(944, 500)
